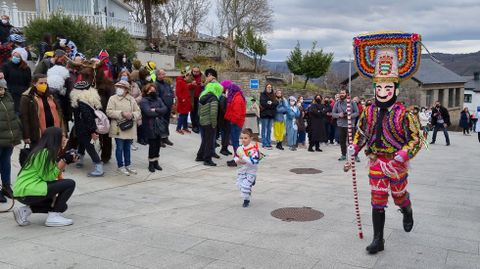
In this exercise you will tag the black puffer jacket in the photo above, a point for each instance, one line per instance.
(18, 80)
(268, 105)
(10, 130)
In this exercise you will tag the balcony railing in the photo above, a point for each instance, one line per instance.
(21, 19)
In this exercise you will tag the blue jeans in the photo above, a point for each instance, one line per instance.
(267, 132)
(235, 131)
(301, 137)
(5, 165)
(122, 152)
(182, 122)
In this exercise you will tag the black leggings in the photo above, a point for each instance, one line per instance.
(154, 148)
(58, 193)
(84, 144)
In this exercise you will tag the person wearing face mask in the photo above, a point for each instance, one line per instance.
(339, 112)
(424, 119)
(292, 115)
(268, 108)
(317, 112)
(279, 120)
(39, 110)
(301, 136)
(121, 109)
(10, 135)
(440, 121)
(5, 28)
(153, 111)
(123, 63)
(18, 75)
(165, 92)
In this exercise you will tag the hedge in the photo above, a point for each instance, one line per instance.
(90, 39)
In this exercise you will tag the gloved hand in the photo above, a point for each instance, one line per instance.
(352, 150)
(401, 156)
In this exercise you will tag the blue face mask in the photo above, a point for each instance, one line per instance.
(124, 78)
(16, 60)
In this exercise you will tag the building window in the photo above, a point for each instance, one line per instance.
(429, 99)
(440, 96)
(467, 98)
(457, 97)
(451, 94)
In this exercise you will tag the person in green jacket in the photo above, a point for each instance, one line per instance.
(39, 184)
(10, 134)
(208, 113)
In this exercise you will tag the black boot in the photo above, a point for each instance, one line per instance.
(167, 141)
(378, 219)
(310, 147)
(157, 166)
(407, 218)
(151, 167)
(246, 203)
(279, 146)
(317, 147)
(7, 191)
(224, 151)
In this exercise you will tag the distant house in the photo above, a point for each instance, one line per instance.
(114, 13)
(432, 82)
(472, 92)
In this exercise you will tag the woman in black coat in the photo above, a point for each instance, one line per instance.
(268, 108)
(18, 76)
(153, 111)
(316, 123)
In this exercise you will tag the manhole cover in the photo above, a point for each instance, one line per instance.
(297, 214)
(309, 171)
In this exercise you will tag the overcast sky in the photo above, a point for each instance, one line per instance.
(451, 26)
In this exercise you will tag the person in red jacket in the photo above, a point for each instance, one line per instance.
(184, 104)
(236, 112)
(198, 84)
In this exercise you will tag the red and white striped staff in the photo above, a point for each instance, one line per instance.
(351, 164)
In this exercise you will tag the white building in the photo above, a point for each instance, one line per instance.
(472, 92)
(105, 13)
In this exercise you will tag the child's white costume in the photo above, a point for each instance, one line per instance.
(247, 173)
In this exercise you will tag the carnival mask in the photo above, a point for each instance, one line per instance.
(385, 94)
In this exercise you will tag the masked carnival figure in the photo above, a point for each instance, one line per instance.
(386, 129)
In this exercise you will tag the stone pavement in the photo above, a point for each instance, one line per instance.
(190, 216)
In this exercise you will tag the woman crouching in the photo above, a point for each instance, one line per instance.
(38, 185)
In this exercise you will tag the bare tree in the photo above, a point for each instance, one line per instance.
(169, 16)
(195, 14)
(237, 15)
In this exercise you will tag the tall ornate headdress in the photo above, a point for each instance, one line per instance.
(388, 56)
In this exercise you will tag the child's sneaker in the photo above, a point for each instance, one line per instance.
(246, 203)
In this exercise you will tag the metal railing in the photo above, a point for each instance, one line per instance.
(19, 18)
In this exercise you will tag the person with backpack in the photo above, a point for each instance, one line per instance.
(86, 104)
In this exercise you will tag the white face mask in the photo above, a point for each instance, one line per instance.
(120, 91)
(292, 103)
(149, 78)
(124, 60)
(4, 21)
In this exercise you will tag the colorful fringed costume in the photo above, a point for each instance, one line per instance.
(387, 130)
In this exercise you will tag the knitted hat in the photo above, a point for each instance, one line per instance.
(23, 53)
(81, 85)
(3, 83)
(123, 84)
(150, 65)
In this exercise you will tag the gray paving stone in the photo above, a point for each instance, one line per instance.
(463, 260)
(168, 259)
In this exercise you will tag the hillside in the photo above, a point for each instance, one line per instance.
(462, 64)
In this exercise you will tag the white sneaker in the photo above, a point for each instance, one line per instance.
(20, 214)
(131, 170)
(134, 147)
(55, 219)
(123, 170)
